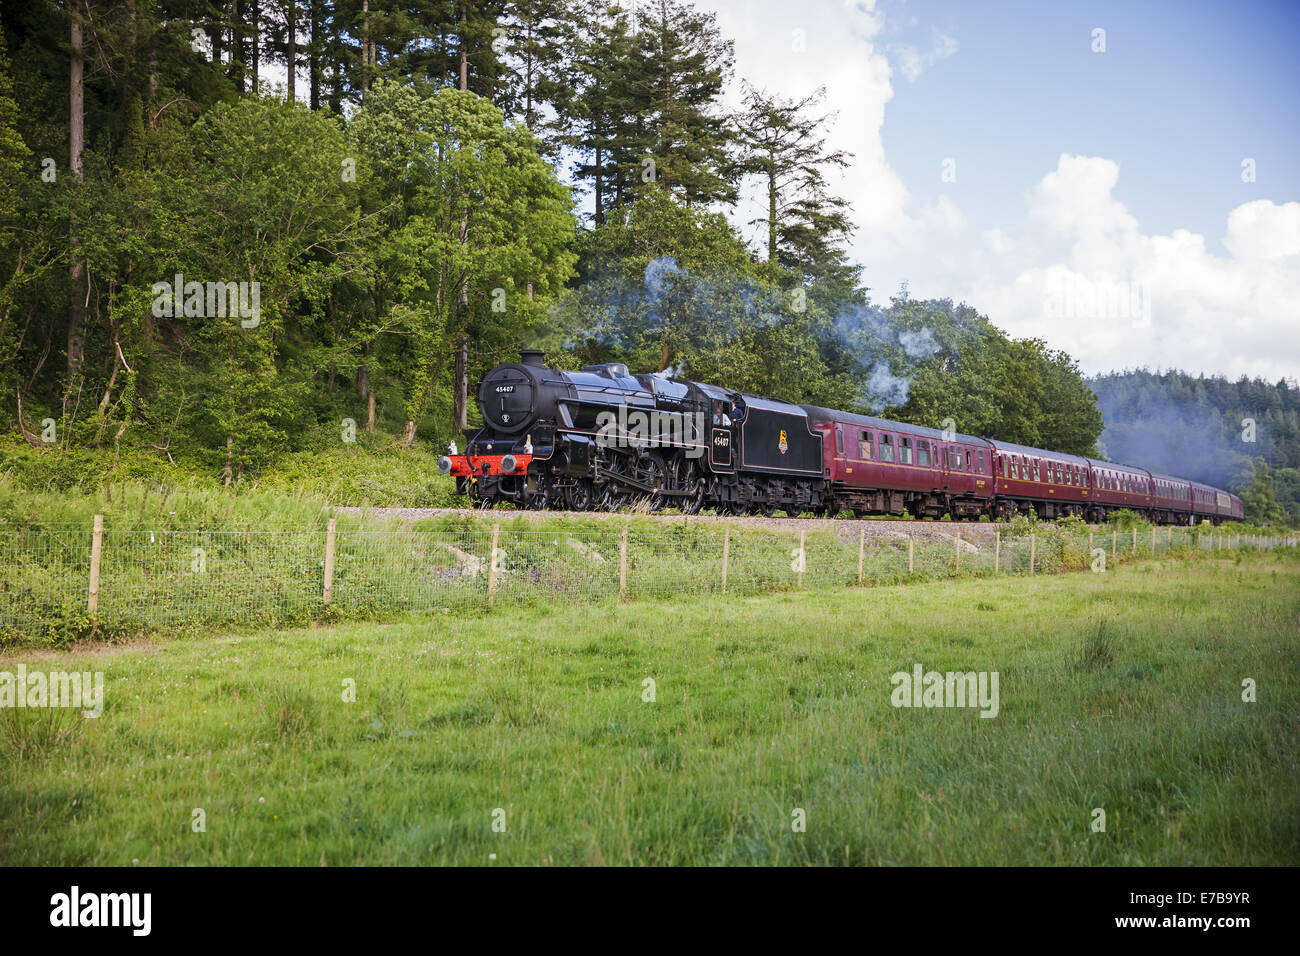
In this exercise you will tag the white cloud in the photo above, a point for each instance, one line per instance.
(912, 62)
(791, 52)
(998, 242)
(1123, 298)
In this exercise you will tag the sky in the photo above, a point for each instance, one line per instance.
(1130, 196)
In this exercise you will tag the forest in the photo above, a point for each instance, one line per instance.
(1240, 435)
(232, 232)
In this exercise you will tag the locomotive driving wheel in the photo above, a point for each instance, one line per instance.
(579, 495)
(685, 477)
(539, 500)
(651, 472)
(610, 495)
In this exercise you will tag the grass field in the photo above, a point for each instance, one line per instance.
(1120, 691)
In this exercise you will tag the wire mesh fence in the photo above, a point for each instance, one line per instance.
(53, 581)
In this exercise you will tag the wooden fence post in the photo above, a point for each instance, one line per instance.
(997, 550)
(803, 555)
(911, 547)
(622, 567)
(492, 565)
(862, 544)
(726, 555)
(1033, 546)
(96, 550)
(329, 561)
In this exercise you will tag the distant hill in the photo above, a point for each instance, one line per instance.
(1197, 427)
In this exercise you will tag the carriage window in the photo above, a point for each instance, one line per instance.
(968, 461)
(1035, 469)
(923, 453)
(1015, 467)
(1006, 467)
(981, 454)
(839, 441)
(954, 459)
(905, 451)
(886, 448)
(1060, 479)
(864, 447)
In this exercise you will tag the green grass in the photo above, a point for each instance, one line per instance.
(1119, 690)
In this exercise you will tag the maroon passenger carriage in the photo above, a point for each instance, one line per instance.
(1116, 486)
(1170, 499)
(878, 466)
(1051, 483)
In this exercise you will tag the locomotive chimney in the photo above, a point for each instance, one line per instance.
(531, 357)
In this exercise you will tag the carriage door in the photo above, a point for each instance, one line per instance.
(720, 437)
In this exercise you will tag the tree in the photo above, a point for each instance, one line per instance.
(683, 66)
(481, 237)
(805, 225)
(1258, 500)
(277, 225)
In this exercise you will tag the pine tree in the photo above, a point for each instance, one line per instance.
(681, 68)
(805, 224)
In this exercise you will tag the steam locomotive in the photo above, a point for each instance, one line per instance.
(601, 438)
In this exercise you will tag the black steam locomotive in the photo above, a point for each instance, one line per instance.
(601, 438)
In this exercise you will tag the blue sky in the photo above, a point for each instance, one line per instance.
(1098, 200)
(1182, 94)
